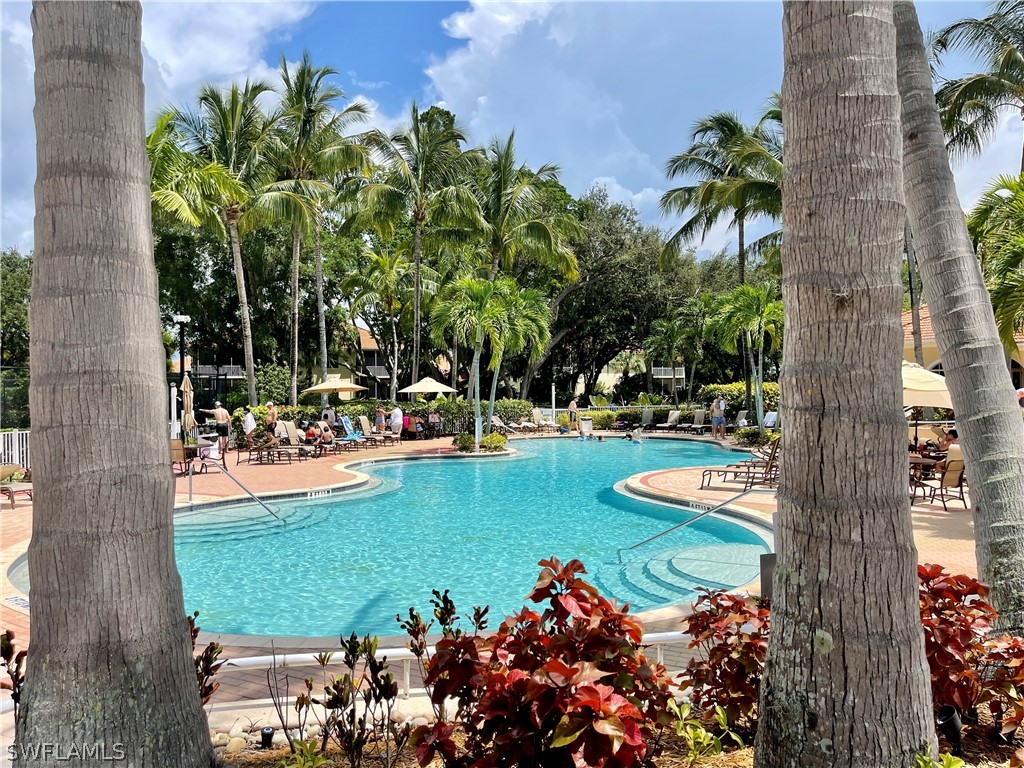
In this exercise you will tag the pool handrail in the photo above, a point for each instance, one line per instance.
(695, 518)
(236, 481)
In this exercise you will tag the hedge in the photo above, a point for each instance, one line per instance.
(736, 393)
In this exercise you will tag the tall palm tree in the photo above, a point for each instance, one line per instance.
(378, 292)
(698, 313)
(527, 326)
(229, 128)
(751, 314)
(514, 225)
(472, 310)
(314, 149)
(110, 642)
(424, 170)
(971, 106)
(666, 341)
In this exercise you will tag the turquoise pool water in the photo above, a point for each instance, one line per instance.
(350, 562)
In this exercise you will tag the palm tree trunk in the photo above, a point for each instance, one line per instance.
(741, 250)
(418, 258)
(988, 419)
(321, 312)
(475, 376)
(455, 362)
(111, 664)
(494, 394)
(915, 294)
(675, 394)
(846, 629)
(756, 370)
(394, 359)
(689, 388)
(231, 218)
(293, 394)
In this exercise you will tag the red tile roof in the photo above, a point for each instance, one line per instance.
(927, 332)
(366, 340)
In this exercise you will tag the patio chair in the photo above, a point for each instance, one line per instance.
(178, 458)
(771, 420)
(647, 418)
(352, 437)
(293, 441)
(11, 489)
(545, 425)
(271, 451)
(672, 423)
(950, 484)
(697, 427)
(741, 416)
(385, 438)
(757, 463)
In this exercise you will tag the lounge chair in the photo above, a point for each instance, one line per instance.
(741, 416)
(385, 438)
(501, 426)
(271, 451)
(352, 438)
(294, 441)
(11, 489)
(672, 423)
(545, 425)
(763, 463)
(647, 418)
(697, 427)
(771, 420)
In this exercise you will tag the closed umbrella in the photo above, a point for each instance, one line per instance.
(334, 384)
(427, 386)
(188, 421)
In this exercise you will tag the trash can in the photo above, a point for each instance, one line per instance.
(586, 425)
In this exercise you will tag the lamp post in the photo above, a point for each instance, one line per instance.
(181, 320)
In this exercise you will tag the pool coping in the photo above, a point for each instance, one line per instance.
(361, 479)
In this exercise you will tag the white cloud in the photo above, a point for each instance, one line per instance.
(1001, 156)
(367, 85)
(185, 44)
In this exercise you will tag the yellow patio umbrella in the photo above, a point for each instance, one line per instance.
(188, 421)
(427, 386)
(334, 384)
(924, 389)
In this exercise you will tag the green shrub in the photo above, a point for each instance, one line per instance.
(562, 420)
(736, 393)
(463, 442)
(509, 410)
(602, 419)
(493, 442)
(752, 436)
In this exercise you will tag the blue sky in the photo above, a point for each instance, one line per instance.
(607, 90)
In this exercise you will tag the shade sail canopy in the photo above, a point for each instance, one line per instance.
(426, 386)
(924, 389)
(188, 421)
(335, 384)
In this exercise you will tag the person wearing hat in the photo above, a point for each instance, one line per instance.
(220, 413)
(271, 418)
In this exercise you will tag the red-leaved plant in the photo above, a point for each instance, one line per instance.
(968, 670)
(731, 634)
(568, 685)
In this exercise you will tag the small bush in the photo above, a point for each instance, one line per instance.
(602, 419)
(464, 442)
(207, 663)
(493, 442)
(567, 682)
(562, 420)
(752, 436)
(736, 394)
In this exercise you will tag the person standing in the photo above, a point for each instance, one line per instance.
(223, 427)
(271, 418)
(574, 415)
(718, 418)
(379, 419)
(396, 421)
(330, 416)
(248, 423)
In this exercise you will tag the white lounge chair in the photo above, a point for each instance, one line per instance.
(672, 423)
(546, 425)
(497, 423)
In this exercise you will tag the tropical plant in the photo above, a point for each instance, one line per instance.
(313, 150)
(378, 294)
(996, 225)
(971, 107)
(229, 129)
(423, 173)
(110, 644)
(526, 326)
(973, 357)
(564, 683)
(752, 313)
(665, 343)
(473, 312)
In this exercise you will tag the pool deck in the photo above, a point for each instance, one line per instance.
(941, 537)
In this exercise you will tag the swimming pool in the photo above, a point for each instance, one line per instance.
(352, 561)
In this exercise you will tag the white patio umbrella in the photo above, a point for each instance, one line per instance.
(188, 421)
(334, 384)
(924, 389)
(427, 386)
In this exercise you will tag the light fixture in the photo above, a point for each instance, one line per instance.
(948, 721)
(267, 737)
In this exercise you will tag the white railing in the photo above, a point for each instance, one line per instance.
(14, 448)
(666, 373)
(653, 640)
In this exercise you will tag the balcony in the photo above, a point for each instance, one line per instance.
(378, 371)
(666, 373)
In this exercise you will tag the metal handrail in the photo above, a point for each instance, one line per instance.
(236, 481)
(695, 518)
